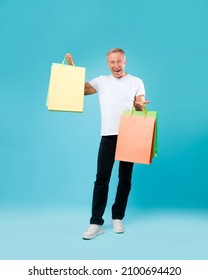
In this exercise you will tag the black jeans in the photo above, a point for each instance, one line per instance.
(105, 163)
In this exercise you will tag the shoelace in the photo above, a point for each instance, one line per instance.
(118, 224)
(92, 228)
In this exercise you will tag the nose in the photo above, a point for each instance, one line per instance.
(116, 65)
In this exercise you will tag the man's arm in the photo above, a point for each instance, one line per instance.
(88, 89)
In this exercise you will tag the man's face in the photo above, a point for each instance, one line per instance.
(116, 64)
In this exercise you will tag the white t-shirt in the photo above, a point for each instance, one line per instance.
(115, 95)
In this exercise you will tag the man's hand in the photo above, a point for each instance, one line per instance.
(69, 59)
(139, 102)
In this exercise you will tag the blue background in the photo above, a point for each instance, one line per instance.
(48, 159)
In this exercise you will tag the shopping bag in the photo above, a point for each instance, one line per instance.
(137, 137)
(66, 88)
(153, 114)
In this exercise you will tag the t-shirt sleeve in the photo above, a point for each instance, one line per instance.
(141, 89)
(96, 83)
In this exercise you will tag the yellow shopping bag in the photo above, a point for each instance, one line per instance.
(66, 88)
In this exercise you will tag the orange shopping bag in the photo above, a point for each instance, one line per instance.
(135, 141)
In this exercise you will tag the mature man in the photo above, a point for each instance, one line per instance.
(117, 92)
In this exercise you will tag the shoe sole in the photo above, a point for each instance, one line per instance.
(119, 232)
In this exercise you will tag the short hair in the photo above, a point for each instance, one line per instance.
(115, 50)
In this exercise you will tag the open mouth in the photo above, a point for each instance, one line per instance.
(117, 71)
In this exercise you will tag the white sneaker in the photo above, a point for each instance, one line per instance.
(117, 226)
(93, 231)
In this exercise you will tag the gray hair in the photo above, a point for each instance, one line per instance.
(115, 50)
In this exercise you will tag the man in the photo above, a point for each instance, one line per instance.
(117, 92)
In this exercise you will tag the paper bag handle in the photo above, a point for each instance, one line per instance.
(65, 60)
(144, 109)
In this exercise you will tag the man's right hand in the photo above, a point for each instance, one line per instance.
(69, 59)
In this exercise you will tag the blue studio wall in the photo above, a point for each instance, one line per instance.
(49, 158)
